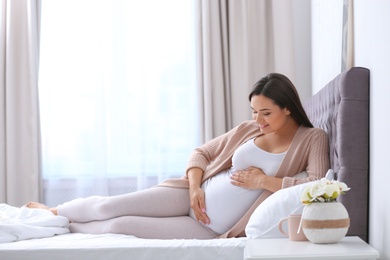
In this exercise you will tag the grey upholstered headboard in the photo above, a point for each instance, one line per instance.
(341, 108)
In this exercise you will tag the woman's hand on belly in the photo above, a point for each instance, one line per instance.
(249, 178)
(254, 178)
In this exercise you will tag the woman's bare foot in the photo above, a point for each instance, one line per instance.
(36, 205)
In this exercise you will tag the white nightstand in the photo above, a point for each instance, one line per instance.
(283, 248)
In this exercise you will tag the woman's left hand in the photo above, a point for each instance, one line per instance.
(250, 178)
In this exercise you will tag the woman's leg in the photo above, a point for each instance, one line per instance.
(144, 227)
(152, 202)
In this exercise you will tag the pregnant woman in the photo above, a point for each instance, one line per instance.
(225, 180)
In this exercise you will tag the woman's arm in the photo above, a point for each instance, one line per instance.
(202, 156)
(317, 160)
(254, 178)
(197, 195)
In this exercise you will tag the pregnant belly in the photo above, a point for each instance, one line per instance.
(225, 202)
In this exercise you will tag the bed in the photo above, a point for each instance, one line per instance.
(341, 108)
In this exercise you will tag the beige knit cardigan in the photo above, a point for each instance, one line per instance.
(309, 151)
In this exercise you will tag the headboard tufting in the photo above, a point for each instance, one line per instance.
(341, 108)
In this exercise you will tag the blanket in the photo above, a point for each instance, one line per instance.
(25, 223)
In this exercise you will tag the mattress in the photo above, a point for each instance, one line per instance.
(116, 246)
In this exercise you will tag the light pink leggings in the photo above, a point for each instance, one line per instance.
(158, 212)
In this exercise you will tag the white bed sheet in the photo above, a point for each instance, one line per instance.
(114, 246)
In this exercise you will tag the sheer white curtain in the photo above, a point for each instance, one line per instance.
(118, 95)
(19, 112)
(238, 42)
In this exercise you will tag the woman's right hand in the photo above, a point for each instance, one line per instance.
(197, 196)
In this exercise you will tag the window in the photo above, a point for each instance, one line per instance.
(118, 95)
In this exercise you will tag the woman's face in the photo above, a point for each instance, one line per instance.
(269, 116)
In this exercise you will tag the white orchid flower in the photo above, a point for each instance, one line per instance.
(343, 187)
(317, 190)
(324, 190)
(305, 196)
(331, 191)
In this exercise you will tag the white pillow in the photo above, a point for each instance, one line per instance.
(265, 219)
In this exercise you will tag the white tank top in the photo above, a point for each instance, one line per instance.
(227, 203)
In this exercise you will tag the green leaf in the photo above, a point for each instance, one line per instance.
(335, 195)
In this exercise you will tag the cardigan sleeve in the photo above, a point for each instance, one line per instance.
(317, 159)
(205, 154)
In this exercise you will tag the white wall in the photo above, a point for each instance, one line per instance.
(326, 30)
(372, 41)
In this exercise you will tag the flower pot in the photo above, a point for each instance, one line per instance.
(325, 222)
